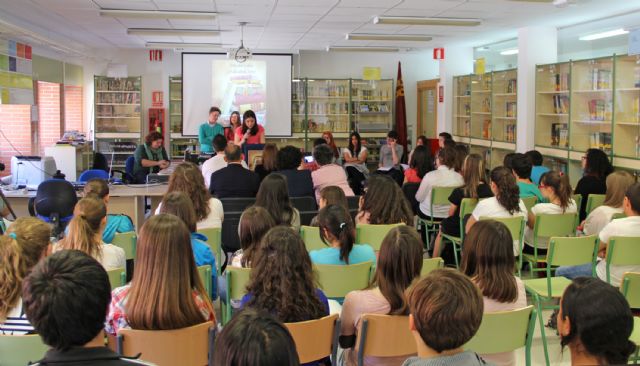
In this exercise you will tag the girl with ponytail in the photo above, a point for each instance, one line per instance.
(85, 234)
(338, 231)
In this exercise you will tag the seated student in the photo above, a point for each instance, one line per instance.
(65, 298)
(443, 176)
(337, 231)
(269, 162)
(390, 158)
(556, 191)
(420, 163)
(330, 195)
(628, 226)
(254, 223)
(355, 162)
(443, 137)
(383, 203)
(399, 265)
(216, 162)
(187, 178)
(255, 338)
(299, 181)
(420, 141)
(462, 150)
(282, 282)
(313, 165)
(234, 180)
(85, 234)
(475, 186)
(617, 184)
(165, 273)
(504, 203)
(327, 136)
(521, 167)
(596, 167)
(538, 169)
(490, 267)
(328, 173)
(99, 189)
(595, 321)
(445, 311)
(273, 197)
(179, 204)
(150, 157)
(507, 161)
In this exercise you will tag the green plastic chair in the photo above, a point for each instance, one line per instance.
(439, 196)
(373, 234)
(622, 251)
(21, 349)
(529, 202)
(338, 280)
(311, 237)
(237, 280)
(578, 200)
(549, 225)
(214, 241)
(505, 331)
(631, 290)
(466, 208)
(563, 251)
(126, 241)
(593, 201)
(430, 264)
(515, 224)
(205, 277)
(117, 277)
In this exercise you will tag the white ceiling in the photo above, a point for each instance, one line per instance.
(297, 24)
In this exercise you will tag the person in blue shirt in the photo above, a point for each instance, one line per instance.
(209, 130)
(338, 231)
(180, 205)
(521, 167)
(538, 169)
(99, 189)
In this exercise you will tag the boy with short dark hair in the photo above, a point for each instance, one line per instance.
(521, 167)
(538, 169)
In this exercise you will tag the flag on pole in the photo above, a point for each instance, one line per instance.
(401, 112)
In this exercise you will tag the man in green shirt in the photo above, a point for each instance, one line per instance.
(209, 130)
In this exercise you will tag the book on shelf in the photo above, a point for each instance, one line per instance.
(511, 108)
(467, 127)
(486, 105)
(560, 104)
(486, 129)
(467, 109)
(512, 85)
(600, 140)
(510, 132)
(561, 81)
(560, 134)
(600, 79)
(557, 165)
(599, 109)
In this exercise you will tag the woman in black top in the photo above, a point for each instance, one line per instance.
(597, 167)
(475, 186)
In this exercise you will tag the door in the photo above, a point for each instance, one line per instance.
(427, 108)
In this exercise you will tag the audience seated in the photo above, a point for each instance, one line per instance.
(538, 169)
(254, 224)
(327, 136)
(274, 197)
(595, 321)
(443, 176)
(390, 158)
(443, 137)
(255, 338)
(507, 161)
(187, 178)
(65, 298)
(99, 189)
(330, 195)
(299, 181)
(420, 141)
(337, 231)
(234, 180)
(420, 163)
(400, 263)
(617, 184)
(355, 162)
(269, 161)
(216, 162)
(313, 166)
(462, 150)
(521, 167)
(596, 167)
(384, 203)
(166, 291)
(85, 234)
(445, 313)
(490, 267)
(328, 173)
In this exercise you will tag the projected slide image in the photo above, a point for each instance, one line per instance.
(240, 86)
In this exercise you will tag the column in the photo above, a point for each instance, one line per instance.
(457, 61)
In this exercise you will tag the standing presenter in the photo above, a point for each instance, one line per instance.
(209, 130)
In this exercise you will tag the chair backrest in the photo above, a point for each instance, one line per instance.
(593, 201)
(440, 195)
(117, 277)
(467, 205)
(100, 162)
(230, 238)
(572, 251)
(503, 331)
(375, 340)
(126, 241)
(338, 280)
(237, 279)
(315, 339)
(577, 198)
(529, 202)
(515, 224)
(373, 234)
(311, 237)
(353, 202)
(623, 251)
(631, 289)
(21, 349)
(430, 264)
(214, 241)
(549, 225)
(304, 203)
(236, 204)
(87, 175)
(186, 346)
(205, 277)
(307, 216)
(128, 165)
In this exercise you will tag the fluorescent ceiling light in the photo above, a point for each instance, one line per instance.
(157, 14)
(387, 37)
(172, 32)
(482, 49)
(362, 49)
(509, 52)
(169, 45)
(460, 22)
(612, 33)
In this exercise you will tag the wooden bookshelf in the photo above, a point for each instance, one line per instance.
(505, 102)
(481, 104)
(626, 117)
(462, 105)
(552, 105)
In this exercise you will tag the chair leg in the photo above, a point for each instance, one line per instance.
(542, 333)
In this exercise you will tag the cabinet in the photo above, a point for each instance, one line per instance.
(505, 104)
(626, 109)
(177, 142)
(372, 105)
(462, 106)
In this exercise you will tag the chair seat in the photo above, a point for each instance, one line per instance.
(635, 334)
(539, 286)
(453, 239)
(533, 258)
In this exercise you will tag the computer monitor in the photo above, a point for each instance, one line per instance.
(30, 171)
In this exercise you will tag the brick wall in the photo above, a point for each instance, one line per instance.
(73, 117)
(15, 124)
(49, 129)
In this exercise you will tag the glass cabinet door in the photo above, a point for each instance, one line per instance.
(481, 106)
(372, 104)
(462, 106)
(505, 105)
(552, 105)
(328, 105)
(626, 130)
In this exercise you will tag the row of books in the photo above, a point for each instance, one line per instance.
(372, 107)
(117, 85)
(561, 81)
(117, 111)
(123, 98)
(599, 110)
(511, 109)
(560, 134)
(510, 132)
(600, 79)
(486, 105)
(512, 86)
(600, 140)
(560, 104)
(486, 129)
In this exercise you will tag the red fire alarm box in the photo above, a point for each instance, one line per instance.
(438, 53)
(156, 120)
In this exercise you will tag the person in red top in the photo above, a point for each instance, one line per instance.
(234, 123)
(328, 137)
(419, 165)
(250, 132)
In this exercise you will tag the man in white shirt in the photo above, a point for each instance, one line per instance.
(443, 176)
(217, 162)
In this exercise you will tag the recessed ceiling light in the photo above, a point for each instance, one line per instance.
(611, 33)
(169, 45)
(172, 32)
(459, 22)
(387, 37)
(509, 52)
(482, 49)
(362, 49)
(157, 14)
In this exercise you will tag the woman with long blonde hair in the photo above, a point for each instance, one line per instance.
(99, 189)
(166, 291)
(617, 184)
